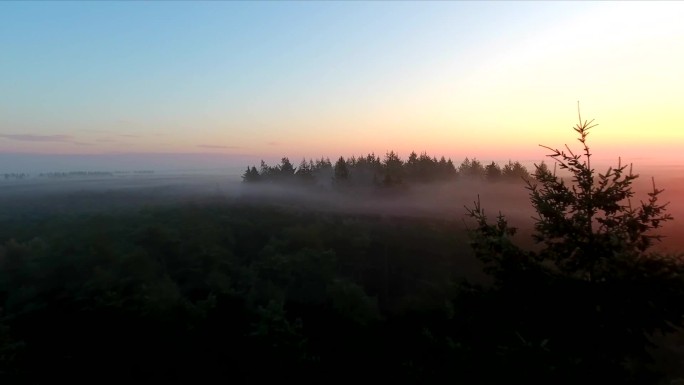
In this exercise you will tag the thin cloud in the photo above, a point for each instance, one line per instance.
(44, 138)
(38, 138)
(95, 131)
(219, 147)
(129, 135)
(273, 143)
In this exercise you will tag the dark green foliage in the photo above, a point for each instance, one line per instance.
(587, 300)
(188, 293)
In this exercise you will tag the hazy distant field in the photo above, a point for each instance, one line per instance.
(36, 195)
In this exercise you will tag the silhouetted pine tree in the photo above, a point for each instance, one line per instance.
(493, 172)
(251, 175)
(585, 302)
(515, 171)
(305, 172)
(393, 169)
(341, 172)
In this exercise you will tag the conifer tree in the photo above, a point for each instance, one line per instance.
(341, 174)
(592, 293)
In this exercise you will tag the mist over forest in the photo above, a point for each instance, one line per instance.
(68, 191)
(383, 267)
(341, 193)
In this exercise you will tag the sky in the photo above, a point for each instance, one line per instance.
(250, 80)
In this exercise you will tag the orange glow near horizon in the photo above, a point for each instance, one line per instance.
(496, 97)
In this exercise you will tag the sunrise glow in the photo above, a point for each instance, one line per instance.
(306, 79)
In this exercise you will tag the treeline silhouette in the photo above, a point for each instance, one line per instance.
(15, 175)
(75, 173)
(68, 174)
(91, 173)
(370, 170)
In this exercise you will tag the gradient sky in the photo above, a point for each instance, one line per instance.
(264, 79)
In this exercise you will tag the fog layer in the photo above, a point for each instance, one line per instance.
(72, 195)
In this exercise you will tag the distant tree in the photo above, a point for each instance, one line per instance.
(393, 169)
(322, 170)
(305, 172)
(375, 166)
(412, 167)
(493, 172)
(450, 169)
(286, 168)
(428, 168)
(265, 171)
(515, 171)
(373, 159)
(251, 175)
(464, 167)
(445, 168)
(363, 169)
(323, 164)
(587, 299)
(471, 169)
(341, 172)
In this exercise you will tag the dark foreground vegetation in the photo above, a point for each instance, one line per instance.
(233, 291)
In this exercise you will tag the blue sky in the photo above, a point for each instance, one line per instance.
(312, 78)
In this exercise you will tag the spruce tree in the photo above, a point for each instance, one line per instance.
(588, 298)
